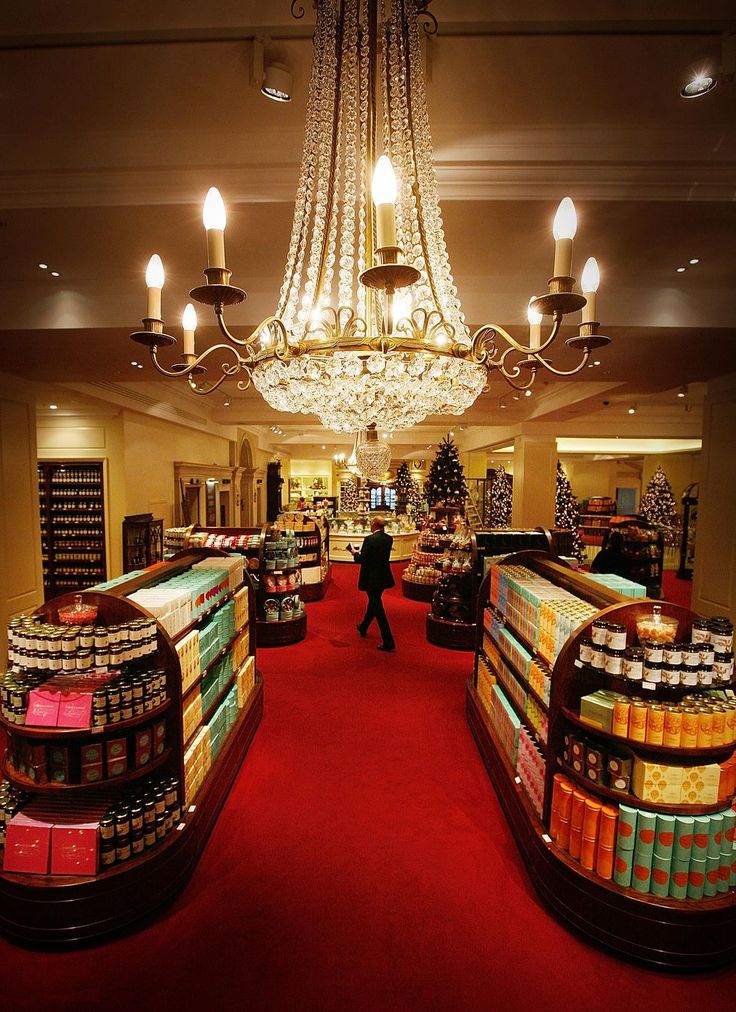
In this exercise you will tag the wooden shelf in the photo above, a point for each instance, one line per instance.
(708, 754)
(520, 711)
(28, 785)
(619, 798)
(96, 731)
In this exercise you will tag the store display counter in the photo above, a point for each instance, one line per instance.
(401, 549)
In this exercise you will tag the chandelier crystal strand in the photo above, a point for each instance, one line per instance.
(332, 349)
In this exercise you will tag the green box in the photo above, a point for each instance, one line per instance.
(626, 833)
(641, 877)
(665, 839)
(684, 828)
(646, 828)
(696, 879)
(661, 869)
(679, 879)
(715, 834)
(623, 867)
(701, 837)
(712, 866)
(597, 709)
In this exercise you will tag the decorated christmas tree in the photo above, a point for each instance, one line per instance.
(445, 484)
(348, 495)
(403, 487)
(567, 514)
(500, 498)
(659, 507)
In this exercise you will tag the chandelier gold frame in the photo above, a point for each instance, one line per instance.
(425, 332)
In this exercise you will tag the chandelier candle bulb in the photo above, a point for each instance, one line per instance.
(155, 280)
(535, 325)
(564, 229)
(189, 325)
(215, 219)
(384, 197)
(590, 280)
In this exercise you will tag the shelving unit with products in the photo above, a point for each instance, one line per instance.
(643, 546)
(629, 841)
(451, 622)
(595, 516)
(273, 562)
(72, 512)
(117, 777)
(142, 541)
(312, 534)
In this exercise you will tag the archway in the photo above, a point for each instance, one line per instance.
(247, 491)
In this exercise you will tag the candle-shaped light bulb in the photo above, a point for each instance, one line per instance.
(535, 324)
(155, 277)
(564, 229)
(189, 325)
(215, 219)
(383, 191)
(589, 282)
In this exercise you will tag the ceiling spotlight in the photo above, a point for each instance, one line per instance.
(698, 85)
(226, 404)
(133, 362)
(695, 260)
(632, 409)
(680, 270)
(53, 407)
(277, 82)
(515, 397)
(502, 405)
(55, 274)
(140, 365)
(324, 447)
(597, 362)
(527, 393)
(682, 392)
(44, 267)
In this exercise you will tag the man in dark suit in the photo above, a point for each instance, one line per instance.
(375, 577)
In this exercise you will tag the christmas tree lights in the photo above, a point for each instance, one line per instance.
(500, 498)
(445, 484)
(658, 506)
(567, 514)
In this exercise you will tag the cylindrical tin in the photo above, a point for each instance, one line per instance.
(690, 723)
(638, 722)
(705, 728)
(623, 867)
(642, 871)
(664, 839)
(719, 726)
(684, 828)
(607, 827)
(604, 862)
(591, 819)
(696, 879)
(672, 727)
(587, 853)
(655, 725)
(660, 883)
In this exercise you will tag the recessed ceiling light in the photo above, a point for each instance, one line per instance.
(55, 274)
(597, 362)
(140, 365)
(680, 270)
(53, 407)
(324, 447)
(682, 392)
(502, 405)
(133, 362)
(695, 260)
(632, 410)
(44, 267)
(515, 397)
(527, 393)
(452, 433)
(698, 86)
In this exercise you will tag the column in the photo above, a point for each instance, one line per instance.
(714, 579)
(535, 468)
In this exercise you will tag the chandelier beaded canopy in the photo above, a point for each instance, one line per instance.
(368, 325)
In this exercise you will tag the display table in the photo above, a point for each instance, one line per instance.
(401, 549)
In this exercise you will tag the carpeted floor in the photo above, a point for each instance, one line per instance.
(360, 863)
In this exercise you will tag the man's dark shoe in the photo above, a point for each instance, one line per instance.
(387, 647)
(361, 630)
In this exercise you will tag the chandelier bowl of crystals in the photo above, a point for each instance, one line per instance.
(368, 325)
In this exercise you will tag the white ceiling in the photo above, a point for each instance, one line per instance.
(118, 117)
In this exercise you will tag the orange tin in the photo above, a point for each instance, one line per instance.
(705, 728)
(655, 725)
(719, 725)
(604, 861)
(638, 722)
(730, 723)
(689, 736)
(607, 830)
(565, 800)
(620, 724)
(672, 727)
(587, 853)
(591, 818)
(576, 842)
(578, 809)
(563, 834)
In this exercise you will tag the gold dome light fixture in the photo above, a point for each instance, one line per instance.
(368, 326)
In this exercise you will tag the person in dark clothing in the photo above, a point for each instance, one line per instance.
(611, 559)
(375, 577)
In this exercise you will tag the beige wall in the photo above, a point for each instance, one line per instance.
(21, 575)
(93, 437)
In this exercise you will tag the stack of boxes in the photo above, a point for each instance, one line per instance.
(179, 601)
(232, 564)
(622, 586)
(197, 763)
(680, 856)
(505, 723)
(170, 605)
(245, 681)
(530, 767)
(53, 836)
(188, 651)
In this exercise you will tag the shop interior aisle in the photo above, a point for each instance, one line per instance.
(360, 862)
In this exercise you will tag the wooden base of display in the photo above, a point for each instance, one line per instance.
(46, 911)
(315, 591)
(452, 635)
(418, 591)
(280, 634)
(668, 934)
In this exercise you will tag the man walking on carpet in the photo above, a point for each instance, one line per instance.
(375, 577)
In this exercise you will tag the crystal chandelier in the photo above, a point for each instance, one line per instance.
(368, 326)
(372, 458)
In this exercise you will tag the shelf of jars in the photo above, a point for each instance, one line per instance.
(72, 518)
(451, 621)
(312, 534)
(127, 711)
(615, 766)
(350, 527)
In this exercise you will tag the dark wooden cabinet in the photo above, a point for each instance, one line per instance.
(143, 539)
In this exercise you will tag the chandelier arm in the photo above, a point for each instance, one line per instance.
(480, 337)
(186, 369)
(567, 372)
(297, 10)
(220, 316)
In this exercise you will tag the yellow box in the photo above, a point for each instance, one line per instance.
(700, 785)
(657, 783)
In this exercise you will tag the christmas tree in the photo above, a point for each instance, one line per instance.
(348, 495)
(500, 496)
(658, 506)
(403, 487)
(567, 514)
(445, 482)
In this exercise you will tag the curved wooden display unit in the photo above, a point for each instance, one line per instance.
(313, 537)
(290, 630)
(58, 910)
(417, 591)
(664, 932)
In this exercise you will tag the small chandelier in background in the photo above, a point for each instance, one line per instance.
(373, 458)
(369, 326)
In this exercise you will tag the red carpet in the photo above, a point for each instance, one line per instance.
(361, 862)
